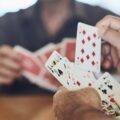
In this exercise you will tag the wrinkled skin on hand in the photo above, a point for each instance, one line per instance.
(68, 104)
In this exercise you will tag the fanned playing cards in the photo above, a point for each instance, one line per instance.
(73, 64)
(80, 74)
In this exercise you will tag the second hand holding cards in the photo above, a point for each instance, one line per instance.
(32, 68)
(28, 62)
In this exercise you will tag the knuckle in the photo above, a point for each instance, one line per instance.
(97, 24)
(58, 93)
(108, 17)
(4, 47)
(57, 97)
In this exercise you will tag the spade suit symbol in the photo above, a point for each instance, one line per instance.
(110, 86)
(104, 91)
(60, 72)
(54, 62)
(104, 78)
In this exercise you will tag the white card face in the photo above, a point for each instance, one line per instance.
(62, 71)
(70, 76)
(82, 78)
(88, 48)
(105, 91)
(113, 88)
(53, 60)
(101, 89)
(112, 84)
(107, 106)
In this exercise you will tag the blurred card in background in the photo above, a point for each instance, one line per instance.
(34, 69)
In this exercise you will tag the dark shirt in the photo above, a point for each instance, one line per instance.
(25, 28)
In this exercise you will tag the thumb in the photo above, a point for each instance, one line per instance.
(110, 35)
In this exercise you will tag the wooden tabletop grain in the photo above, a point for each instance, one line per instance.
(26, 107)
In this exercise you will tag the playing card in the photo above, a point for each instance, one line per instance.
(70, 76)
(40, 81)
(49, 51)
(112, 87)
(69, 48)
(29, 63)
(53, 60)
(111, 83)
(101, 85)
(33, 69)
(62, 73)
(107, 107)
(81, 79)
(88, 48)
(43, 53)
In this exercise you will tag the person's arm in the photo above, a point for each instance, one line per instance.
(10, 67)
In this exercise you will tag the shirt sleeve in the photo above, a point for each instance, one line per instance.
(5, 30)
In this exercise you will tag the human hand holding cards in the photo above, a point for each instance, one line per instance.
(33, 62)
(78, 75)
(33, 69)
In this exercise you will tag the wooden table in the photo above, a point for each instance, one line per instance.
(26, 108)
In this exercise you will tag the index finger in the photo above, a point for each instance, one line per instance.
(7, 51)
(110, 22)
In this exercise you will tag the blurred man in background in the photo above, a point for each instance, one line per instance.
(46, 21)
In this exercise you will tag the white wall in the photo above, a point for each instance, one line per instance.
(14, 5)
(112, 5)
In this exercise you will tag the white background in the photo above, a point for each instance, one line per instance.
(15, 5)
(112, 5)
